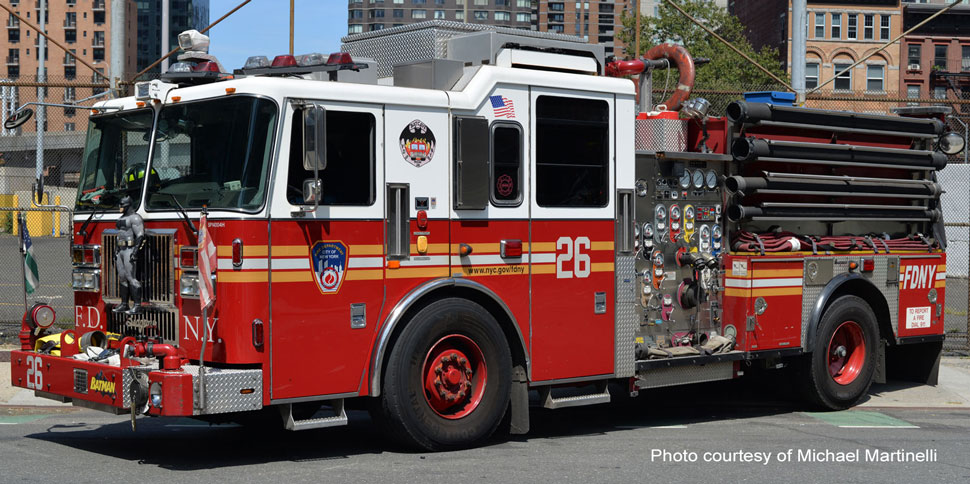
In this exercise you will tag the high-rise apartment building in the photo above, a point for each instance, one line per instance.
(183, 15)
(84, 27)
(596, 21)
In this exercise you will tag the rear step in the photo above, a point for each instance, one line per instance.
(337, 420)
(601, 395)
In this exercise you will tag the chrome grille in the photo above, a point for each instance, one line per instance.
(156, 266)
(151, 323)
(80, 381)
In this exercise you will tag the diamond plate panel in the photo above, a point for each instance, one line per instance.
(423, 41)
(682, 375)
(661, 135)
(224, 386)
(626, 321)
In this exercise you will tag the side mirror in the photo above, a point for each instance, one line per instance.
(952, 143)
(312, 191)
(18, 118)
(314, 138)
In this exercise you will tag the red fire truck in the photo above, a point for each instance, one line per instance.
(445, 218)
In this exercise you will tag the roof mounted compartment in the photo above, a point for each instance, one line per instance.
(473, 44)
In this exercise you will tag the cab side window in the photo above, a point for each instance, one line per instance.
(572, 152)
(506, 163)
(351, 160)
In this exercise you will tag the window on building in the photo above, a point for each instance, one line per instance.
(811, 75)
(480, 15)
(506, 156)
(843, 82)
(939, 57)
(419, 2)
(557, 17)
(501, 3)
(852, 27)
(557, 7)
(836, 26)
(875, 78)
(70, 36)
(523, 17)
(356, 14)
(912, 92)
(868, 26)
(439, 14)
(398, 13)
(459, 15)
(819, 25)
(885, 21)
(70, 72)
(523, 3)
(572, 152)
(13, 35)
(557, 29)
(915, 54)
(13, 56)
(483, 3)
(502, 16)
(939, 92)
(439, 2)
(374, 27)
(13, 72)
(355, 29)
(965, 59)
(419, 13)
(69, 127)
(398, 2)
(97, 54)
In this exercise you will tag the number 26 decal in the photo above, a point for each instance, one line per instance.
(35, 379)
(574, 251)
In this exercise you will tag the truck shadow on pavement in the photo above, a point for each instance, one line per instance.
(186, 444)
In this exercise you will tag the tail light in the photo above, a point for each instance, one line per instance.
(868, 265)
(257, 333)
(338, 58)
(511, 248)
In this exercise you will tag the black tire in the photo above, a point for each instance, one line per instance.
(405, 409)
(822, 386)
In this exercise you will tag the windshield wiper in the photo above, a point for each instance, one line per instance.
(182, 211)
(84, 226)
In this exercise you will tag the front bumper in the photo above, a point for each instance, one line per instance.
(109, 388)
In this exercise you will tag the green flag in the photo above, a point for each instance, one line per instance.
(31, 280)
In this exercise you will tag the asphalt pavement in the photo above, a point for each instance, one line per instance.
(743, 431)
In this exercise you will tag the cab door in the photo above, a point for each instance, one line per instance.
(572, 231)
(491, 204)
(326, 265)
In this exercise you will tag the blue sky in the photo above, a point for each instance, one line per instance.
(262, 28)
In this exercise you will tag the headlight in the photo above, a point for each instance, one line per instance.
(42, 315)
(189, 285)
(86, 255)
(89, 281)
(155, 392)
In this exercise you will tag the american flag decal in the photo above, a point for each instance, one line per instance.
(502, 107)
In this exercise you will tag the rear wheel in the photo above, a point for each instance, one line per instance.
(843, 360)
(448, 377)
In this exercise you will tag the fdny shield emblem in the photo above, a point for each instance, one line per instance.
(417, 143)
(329, 261)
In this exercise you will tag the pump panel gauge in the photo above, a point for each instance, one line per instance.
(685, 179)
(711, 179)
(698, 179)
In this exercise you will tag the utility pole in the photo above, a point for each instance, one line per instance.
(292, 22)
(41, 96)
(166, 34)
(118, 14)
(799, 28)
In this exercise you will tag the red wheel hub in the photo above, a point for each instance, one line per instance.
(846, 353)
(454, 376)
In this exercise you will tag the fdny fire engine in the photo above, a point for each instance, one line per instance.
(452, 222)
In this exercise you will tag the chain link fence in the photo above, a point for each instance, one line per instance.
(63, 146)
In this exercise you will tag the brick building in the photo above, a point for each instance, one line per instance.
(369, 15)
(936, 57)
(83, 26)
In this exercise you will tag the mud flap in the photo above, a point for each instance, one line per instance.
(520, 402)
(879, 376)
(918, 362)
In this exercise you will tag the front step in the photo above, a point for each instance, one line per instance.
(601, 395)
(337, 420)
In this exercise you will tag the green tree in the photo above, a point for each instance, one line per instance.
(726, 70)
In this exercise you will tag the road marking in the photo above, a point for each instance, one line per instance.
(19, 419)
(860, 419)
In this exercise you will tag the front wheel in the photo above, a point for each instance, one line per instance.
(843, 360)
(448, 377)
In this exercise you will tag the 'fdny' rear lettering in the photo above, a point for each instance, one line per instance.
(918, 277)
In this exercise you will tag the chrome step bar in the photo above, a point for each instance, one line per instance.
(337, 420)
(601, 395)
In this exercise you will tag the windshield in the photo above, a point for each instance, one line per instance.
(212, 153)
(115, 156)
